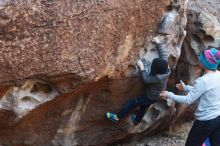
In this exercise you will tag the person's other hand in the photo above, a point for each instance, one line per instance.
(180, 86)
(164, 95)
(156, 40)
(140, 65)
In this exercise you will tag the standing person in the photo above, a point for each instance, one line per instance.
(206, 92)
(155, 82)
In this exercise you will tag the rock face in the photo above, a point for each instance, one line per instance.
(65, 63)
(90, 39)
(203, 29)
(203, 19)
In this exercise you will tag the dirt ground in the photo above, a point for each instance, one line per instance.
(176, 136)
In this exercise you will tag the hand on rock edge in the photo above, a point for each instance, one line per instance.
(156, 40)
(140, 65)
(164, 96)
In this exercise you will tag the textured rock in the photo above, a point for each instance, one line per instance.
(87, 38)
(27, 97)
(203, 30)
(202, 33)
(71, 61)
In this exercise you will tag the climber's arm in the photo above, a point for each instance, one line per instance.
(147, 79)
(161, 51)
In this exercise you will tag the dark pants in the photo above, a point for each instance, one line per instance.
(202, 130)
(142, 102)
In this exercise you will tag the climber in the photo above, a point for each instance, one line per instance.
(155, 81)
(205, 93)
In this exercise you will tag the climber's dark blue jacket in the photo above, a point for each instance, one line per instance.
(155, 83)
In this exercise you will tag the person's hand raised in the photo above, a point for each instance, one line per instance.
(180, 86)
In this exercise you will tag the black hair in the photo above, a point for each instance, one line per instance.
(159, 66)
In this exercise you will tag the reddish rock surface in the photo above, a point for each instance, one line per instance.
(90, 39)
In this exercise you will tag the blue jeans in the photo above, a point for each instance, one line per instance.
(202, 130)
(142, 102)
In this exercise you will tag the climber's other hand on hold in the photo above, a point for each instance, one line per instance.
(140, 65)
(164, 95)
(156, 40)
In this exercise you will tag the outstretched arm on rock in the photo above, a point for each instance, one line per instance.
(162, 52)
(160, 47)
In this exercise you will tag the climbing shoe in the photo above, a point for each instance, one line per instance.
(133, 119)
(112, 117)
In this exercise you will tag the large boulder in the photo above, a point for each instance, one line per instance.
(65, 63)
